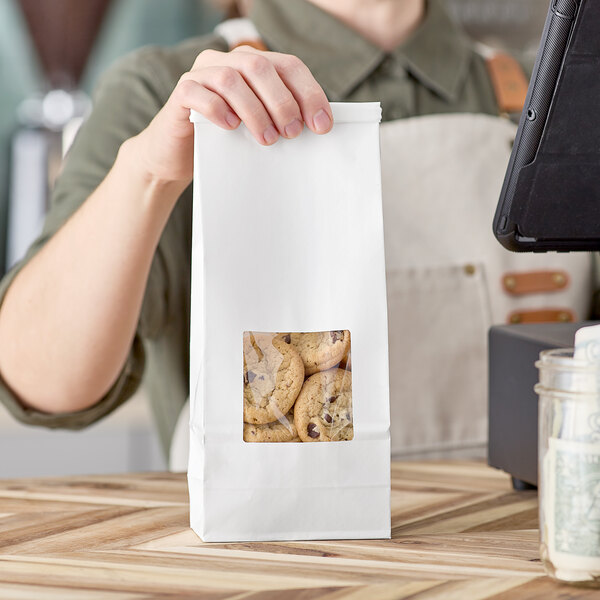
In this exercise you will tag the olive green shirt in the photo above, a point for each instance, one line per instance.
(435, 71)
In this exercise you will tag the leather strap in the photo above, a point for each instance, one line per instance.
(509, 82)
(258, 44)
(548, 315)
(534, 282)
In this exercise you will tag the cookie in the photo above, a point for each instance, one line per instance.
(278, 431)
(319, 350)
(323, 411)
(273, 376)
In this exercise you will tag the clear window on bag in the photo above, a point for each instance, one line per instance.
(297, 387)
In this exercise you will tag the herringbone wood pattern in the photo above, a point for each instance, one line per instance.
(459, 531)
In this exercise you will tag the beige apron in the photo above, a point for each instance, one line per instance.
(447, 275)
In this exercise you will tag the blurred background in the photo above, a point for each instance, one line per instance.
(51, 54)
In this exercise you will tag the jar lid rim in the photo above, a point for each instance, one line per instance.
(563, 357)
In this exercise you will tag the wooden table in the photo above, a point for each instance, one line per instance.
(459, 531)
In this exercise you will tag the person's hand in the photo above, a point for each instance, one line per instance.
(272, 94)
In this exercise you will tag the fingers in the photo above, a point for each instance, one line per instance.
(262, 77)
(228, 83)
(310, 96)
(296, 78)
(191, 94)
(273, 94)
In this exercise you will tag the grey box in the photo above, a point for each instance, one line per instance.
(513, 404)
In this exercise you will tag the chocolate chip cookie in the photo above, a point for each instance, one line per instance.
(319, 350)
(273, 376)
(323, 411)
(278, 431)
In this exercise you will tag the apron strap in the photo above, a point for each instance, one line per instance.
(240, 32)
(508, 79)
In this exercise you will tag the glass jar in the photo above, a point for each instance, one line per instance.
(569, 467)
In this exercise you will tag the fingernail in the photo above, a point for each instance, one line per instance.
(232, 120)
(321, 122)
(293, 129)
(270, 135)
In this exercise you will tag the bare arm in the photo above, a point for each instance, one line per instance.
(69, 318)
(71, 314)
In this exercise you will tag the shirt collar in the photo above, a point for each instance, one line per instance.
(437, 54)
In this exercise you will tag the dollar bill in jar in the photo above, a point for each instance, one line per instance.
(572, 509)
(569, 453)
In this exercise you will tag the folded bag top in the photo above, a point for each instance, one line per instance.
(343, 112)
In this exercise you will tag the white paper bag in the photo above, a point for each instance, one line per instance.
(287, 240)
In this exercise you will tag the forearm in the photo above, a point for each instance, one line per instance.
(69, 317)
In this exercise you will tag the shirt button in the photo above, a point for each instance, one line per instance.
(470, 270)
(388, 64)
(398, 70)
